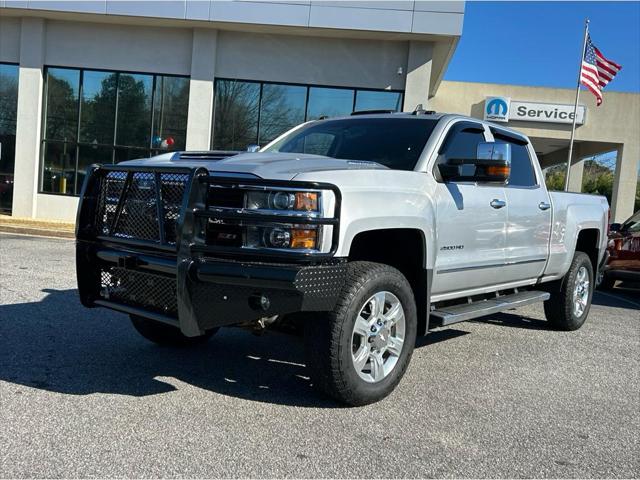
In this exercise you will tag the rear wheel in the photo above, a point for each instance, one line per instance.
(568, 307)
(359, 352)
(167, 335)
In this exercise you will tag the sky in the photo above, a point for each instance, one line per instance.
(539, 43)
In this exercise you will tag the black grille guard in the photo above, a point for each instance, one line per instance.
(146, 225)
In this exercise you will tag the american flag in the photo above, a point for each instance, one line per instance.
(596, 70)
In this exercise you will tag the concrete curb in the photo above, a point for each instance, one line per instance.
(28, 226)
(40, 232)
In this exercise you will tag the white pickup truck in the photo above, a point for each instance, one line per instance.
(368, 230)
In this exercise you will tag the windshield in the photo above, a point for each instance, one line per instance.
(394, 142)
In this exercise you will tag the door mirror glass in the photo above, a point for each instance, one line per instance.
(492, 164)
(615, 227)
(253, 148)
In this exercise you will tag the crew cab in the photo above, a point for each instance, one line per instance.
(367, 230)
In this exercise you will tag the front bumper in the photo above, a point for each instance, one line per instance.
(171, 275)
(201, 294)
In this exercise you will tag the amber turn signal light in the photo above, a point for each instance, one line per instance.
(304, 238)
(498, 171)
(307, 201)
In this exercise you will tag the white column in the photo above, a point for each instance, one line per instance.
(576, 169)
(575, 176)
(418, 75)
(625, 182)
(29, 117)
(203, 66)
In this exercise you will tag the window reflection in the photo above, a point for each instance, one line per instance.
(62, 104)
(59, 167)
(282, 107)
(151, 118)
(329, 102)
(8, 109)
(134, 110)
(98, 107)
(170, 106)
(372, 100)
(236, 114)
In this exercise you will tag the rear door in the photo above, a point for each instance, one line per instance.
(529, 212)
(470, 221)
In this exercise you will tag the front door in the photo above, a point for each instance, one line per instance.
(470, 222)
(8, 108)
(529, 212)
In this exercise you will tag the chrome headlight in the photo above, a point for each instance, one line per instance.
(285, 235)
(283, 200)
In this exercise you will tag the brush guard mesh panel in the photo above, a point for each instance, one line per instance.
(141, 206)
(139, 289)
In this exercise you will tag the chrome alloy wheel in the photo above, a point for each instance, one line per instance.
(378, 337)
(581, 292)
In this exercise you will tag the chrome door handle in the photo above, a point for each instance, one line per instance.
(544, 206)
(495, 203)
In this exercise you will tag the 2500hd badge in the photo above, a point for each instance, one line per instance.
(391, 226)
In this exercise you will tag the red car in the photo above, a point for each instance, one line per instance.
(624, 253)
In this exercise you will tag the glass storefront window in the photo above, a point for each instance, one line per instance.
(59, 167)
(8, 111)
(329, 102)
(281, 108)
(63, 86)
(372, 100)
(101, 117)
(134, 105)
(236, 114)
(98, 109)
(250, 112)
(170, 107)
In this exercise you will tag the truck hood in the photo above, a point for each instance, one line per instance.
(271, 166)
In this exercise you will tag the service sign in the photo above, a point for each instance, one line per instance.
(545, 112)
(503, 109)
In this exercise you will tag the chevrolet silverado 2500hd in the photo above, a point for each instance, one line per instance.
(372, 229)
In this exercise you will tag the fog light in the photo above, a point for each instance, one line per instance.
(277, 238)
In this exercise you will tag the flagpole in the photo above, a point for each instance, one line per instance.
(575, 106)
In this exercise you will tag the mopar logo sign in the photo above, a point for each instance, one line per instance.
(497, 109)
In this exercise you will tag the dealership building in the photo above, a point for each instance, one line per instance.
(103, 81)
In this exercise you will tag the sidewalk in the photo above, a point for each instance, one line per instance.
(29, 226)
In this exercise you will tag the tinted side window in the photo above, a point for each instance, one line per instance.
(522, 172)
(461, 142)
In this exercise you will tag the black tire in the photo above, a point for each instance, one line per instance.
(606, 282)
(167, 335)
(559, 309)
(328, 337)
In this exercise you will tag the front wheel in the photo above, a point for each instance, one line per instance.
(358, 353)
(568, 307)
(167, 335)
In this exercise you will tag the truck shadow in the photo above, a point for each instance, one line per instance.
(57, 345)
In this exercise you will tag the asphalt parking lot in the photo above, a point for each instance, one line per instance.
(82, 395)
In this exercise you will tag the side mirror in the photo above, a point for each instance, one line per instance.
(253, 148)
(492, 164)
(615, 227)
